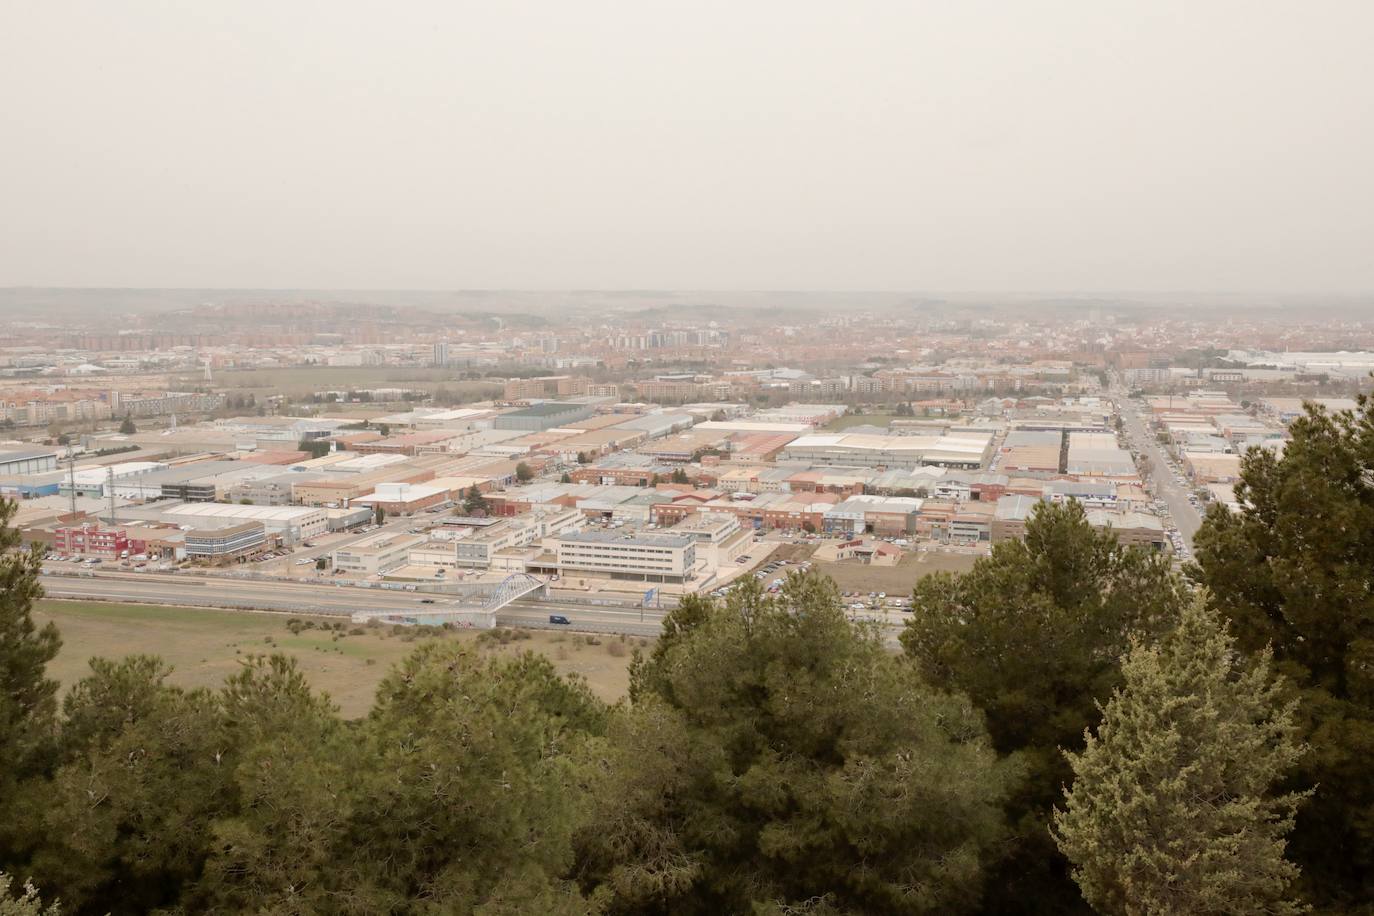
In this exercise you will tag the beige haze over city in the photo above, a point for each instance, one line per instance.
(1000, 146)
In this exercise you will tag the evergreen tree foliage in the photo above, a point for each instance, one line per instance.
(27, 903)
(1033, 635)
(123, 818)
(459, 793)
(1171, 809)
(1294, 569)
(776, 754)
(28, 698)
(474, 503)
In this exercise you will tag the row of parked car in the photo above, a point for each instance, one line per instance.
(877, 599)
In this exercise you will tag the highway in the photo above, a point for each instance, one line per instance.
(307, 598)
(534, 613)
(1175, 495)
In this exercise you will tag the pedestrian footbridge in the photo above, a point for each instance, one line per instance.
(476, 609)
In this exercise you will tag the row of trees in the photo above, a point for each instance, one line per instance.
(1068, 727)
(1097, 671)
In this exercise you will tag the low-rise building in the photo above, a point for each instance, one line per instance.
(1009, 517)
(961, 448)
(641, 557)
(405, 498)
(290, 524)
(1132, 529)
(27, 461)
(98, 481)
(375, 555)
(544, 416)
(720, 538)
(479, 549)
(871, 514)
(228, 543)
(90, 541)
(972, 524)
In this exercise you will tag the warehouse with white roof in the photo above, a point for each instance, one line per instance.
(968, 449)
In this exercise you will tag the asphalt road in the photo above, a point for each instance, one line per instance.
(1175, 495)
(305, 598)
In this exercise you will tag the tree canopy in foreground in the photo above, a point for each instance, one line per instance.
(1171, 808)
(776, 757)
(1294, 570)
(1034, 634)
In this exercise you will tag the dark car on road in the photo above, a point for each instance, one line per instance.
(558, 618)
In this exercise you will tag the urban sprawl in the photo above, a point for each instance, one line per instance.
(424, 468)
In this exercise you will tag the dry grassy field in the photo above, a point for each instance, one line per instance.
(854, 576)
(204, 647)
(303, 380)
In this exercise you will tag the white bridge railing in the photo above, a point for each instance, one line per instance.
(512, 587)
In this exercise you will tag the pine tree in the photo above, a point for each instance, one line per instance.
(468, 793)
(1033, 635)
(26, 904)
(474, 503)
(776, 757)
(1294, 569)
(1171, 810)
(28, 698)
(124, 816)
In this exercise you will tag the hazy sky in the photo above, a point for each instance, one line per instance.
(924, 145)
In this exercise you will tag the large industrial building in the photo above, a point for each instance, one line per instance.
(27, 461)
(545, 416)
(958, 448)
(292, 524)
(1098, 455)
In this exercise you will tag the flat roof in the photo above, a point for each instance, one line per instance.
(617, 537)
(27, 454)
(227, 531)
(225, 510)
(382, 541)
(972, 443)
(546, 409)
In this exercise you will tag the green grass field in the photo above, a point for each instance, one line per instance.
(205, 646)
